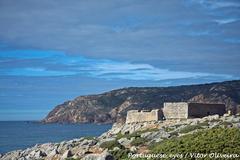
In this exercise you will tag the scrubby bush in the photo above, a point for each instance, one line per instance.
(226, 124)
(169, 129)
(218, 140)
(172, 134)
(190, 128)
(120, 154)
(111, 144)
(203, 124)
(138, 141)
(136, 134)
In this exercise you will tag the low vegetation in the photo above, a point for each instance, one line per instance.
(190, 128)
(219, 140)
(110, 145)
(136, 134)
(226, 124)
(138, 141)
(120, 154)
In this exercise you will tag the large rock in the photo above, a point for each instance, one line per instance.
(14, 155)
(103, 156)
(156, 136)
(124, 141)
(106, 140)
(66, 154)
(211, 118)
(53, 153)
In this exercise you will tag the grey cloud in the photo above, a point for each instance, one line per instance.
(127, 30)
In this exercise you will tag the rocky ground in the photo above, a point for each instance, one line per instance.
(122, 139)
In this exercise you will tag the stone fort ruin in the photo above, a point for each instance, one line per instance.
(143, 115)
(176, 110)
(184, 110)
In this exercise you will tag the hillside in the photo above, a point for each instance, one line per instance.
(112, 106)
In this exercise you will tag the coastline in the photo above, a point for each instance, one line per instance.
(123, 138)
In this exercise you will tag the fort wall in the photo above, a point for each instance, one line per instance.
(184, 110)
(172, 110)
(143, 115)
(198, 110)
(176, 110)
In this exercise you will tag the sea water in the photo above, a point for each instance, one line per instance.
(23, 134)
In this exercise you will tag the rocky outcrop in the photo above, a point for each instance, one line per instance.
(122, 139)
(112, 106)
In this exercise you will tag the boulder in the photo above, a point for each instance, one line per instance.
(53, 153)
(40, 154)
(212, 117)
(14, 155)
(124, 141)
(66, 154)
(35, 154)
(105, 140)
(133, 149)
(156, 136)
(103, 156)
(87, 142)
(116, 148)
(146, 134)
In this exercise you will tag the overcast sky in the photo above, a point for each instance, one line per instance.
(55, 50)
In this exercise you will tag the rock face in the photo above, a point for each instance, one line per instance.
(112, 106)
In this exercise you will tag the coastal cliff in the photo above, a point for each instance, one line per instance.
(112, 106)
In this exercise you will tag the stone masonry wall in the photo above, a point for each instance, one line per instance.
(143, 116)
(198, 110)
(176, 110)
(172, 110)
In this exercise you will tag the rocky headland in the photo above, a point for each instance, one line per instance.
(145, 137)
(112, 106)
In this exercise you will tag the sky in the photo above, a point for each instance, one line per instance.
(55, 50)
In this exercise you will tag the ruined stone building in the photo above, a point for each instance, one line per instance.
(184, 110)
(143, 115)
(176, 110)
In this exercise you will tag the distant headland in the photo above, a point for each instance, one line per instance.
(113, 106)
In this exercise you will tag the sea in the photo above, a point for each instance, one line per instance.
(16, 135)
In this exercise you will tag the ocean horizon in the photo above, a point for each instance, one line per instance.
(15, 135)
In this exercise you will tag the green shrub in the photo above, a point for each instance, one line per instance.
(111, 144)
(138, 133)
(203, 124)
(226, 124)
(138, 141)
(120, 135)
(172, 134)
(218, 140)
(190, 128)
(120, 154)
(89, 137)
(178, 125)
(168, 129)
